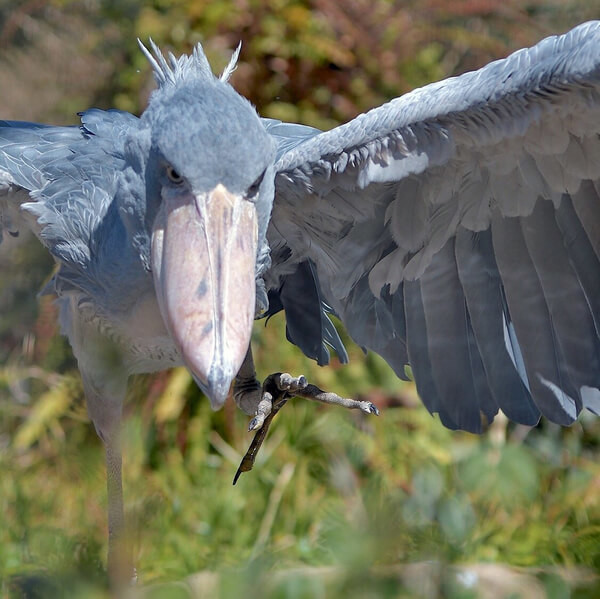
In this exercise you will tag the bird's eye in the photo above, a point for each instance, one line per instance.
(173, 175)
(253, 189)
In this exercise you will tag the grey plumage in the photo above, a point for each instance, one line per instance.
(503, 160)
(307, 315)
(488, 313)
(360, 211)
(455, 229)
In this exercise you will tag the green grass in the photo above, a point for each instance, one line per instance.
(330, 488)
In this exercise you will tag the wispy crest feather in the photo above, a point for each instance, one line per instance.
(232, 66)
(174, 70)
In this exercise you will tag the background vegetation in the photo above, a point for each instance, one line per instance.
(365, 497)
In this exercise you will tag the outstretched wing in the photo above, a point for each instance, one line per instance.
(60, 182)
(457, 229)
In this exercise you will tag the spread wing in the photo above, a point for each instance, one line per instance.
(60, 182)
(457, 230)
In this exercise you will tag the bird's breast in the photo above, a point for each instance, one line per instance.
(137, 332)
(148, 343)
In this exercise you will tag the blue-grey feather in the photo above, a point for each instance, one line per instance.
(551, 388)
(371, 324)
(568, 307)
(307, 322)
(456, 364)
(582, 257)
(418, 353)
(482, 288)
(586, 204)
(288, 135)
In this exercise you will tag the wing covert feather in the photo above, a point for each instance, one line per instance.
(61, 182)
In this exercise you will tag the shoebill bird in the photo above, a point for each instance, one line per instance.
(455, 229)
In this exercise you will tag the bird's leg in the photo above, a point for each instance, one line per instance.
(104, 398)
(247, 391)
(247, 462)
(266, 400)
(255, 399)
(120, 563)
(273, 395)
(314, 393)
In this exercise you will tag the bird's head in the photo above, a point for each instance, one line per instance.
(209, 185)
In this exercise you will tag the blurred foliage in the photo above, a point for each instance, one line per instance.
(330, 488)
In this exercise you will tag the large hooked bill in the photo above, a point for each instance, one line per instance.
(203, 260)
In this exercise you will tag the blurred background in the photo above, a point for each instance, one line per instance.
(394, 506)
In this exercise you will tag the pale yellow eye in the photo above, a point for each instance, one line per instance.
(173, 175)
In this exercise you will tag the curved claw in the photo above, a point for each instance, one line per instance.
(255, 423)
(373, 409)
(369, 407)
(264, 408)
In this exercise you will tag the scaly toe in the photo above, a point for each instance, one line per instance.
(290, 383)
(301, 382)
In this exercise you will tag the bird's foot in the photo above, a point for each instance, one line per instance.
(276, 387)
(268, 400)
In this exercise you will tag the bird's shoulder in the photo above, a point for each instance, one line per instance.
(69, 175)
(62, 183)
